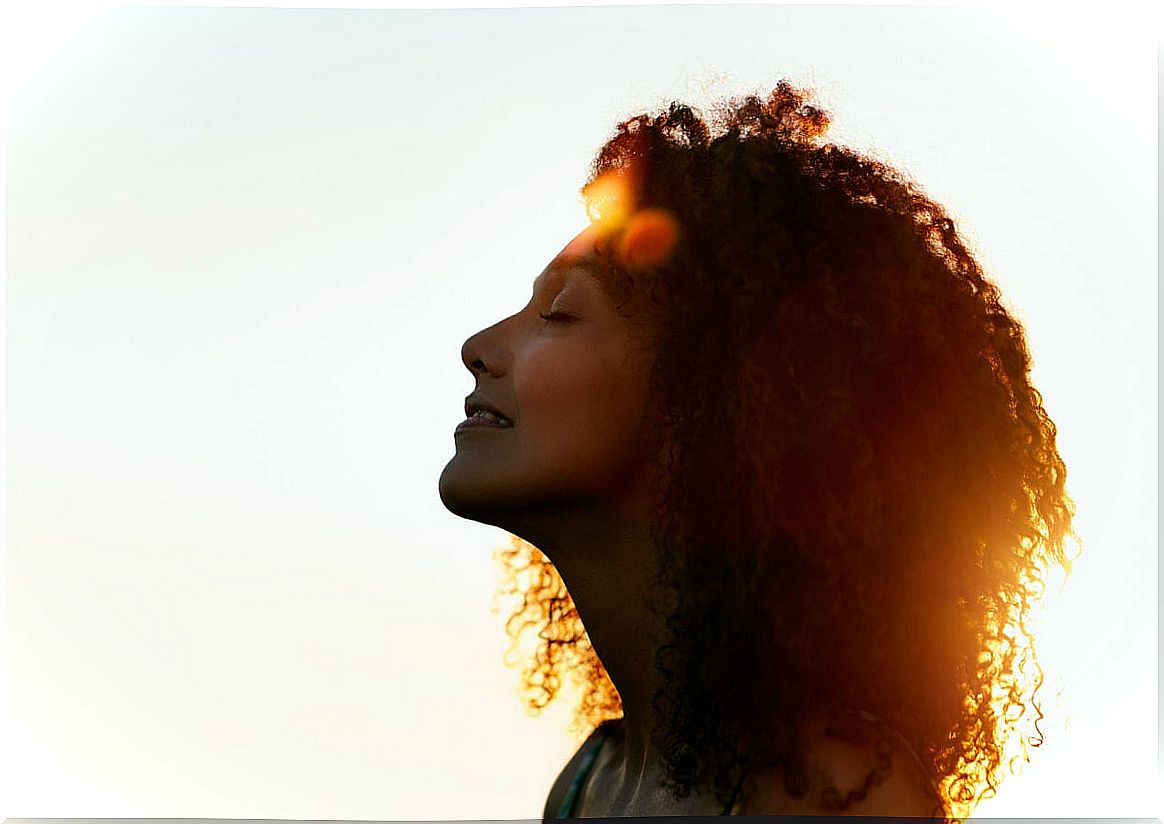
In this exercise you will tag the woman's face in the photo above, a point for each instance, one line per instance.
(569, 373)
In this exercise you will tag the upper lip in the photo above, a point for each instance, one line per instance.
(475, 402)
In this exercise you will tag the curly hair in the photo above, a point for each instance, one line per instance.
(862, 488)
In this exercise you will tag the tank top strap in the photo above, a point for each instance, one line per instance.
(594, 744)
(727, 810)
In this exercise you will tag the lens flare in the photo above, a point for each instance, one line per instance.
(642, 238)
(608, 199)
(648, 239)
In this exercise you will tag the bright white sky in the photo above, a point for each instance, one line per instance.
(244, 247)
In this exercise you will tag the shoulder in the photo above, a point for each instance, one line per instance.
(843, 762)
(562, 782)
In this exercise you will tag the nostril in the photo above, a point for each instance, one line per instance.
(473, 353)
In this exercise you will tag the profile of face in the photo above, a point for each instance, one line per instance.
(568, 373)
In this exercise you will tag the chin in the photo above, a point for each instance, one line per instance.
(452, 492)
(472, 498)
(513, 509)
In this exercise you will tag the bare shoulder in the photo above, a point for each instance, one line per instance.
(843, 763)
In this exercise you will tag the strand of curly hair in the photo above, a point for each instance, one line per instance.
(887, 499)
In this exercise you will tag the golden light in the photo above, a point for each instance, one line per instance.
(609, 199)
(648, 239)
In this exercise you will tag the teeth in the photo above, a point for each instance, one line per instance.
(487, 415)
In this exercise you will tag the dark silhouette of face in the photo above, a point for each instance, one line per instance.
(570, 373)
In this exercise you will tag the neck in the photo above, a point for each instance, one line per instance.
(606, 559)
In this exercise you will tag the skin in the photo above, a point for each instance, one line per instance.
(575, 389)
(571, 477)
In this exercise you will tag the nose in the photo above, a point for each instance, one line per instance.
(476, 350)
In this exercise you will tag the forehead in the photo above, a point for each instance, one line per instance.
(586, 270)
(580, 256)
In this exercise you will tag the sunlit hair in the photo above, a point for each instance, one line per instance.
(863, 494)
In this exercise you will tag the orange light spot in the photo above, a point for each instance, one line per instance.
(608, 199)
(649, 238)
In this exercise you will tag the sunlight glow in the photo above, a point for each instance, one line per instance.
(649, 238)
(245, 247)
(609, 199)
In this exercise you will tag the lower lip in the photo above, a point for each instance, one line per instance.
(478, 423)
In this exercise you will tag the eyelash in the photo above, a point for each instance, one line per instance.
(554, 316)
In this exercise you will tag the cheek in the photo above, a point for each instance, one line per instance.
(587, 420)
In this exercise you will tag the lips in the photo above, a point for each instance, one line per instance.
(475, 404)
(478, 423)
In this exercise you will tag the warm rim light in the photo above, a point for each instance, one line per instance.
(608, 200)
(648, 239)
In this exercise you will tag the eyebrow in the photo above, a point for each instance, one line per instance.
(592, 269)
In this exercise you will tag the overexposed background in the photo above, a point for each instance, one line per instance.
(244, 247)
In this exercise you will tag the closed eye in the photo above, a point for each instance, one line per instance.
(554, 316)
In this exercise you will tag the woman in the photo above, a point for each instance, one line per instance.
(769, 422)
